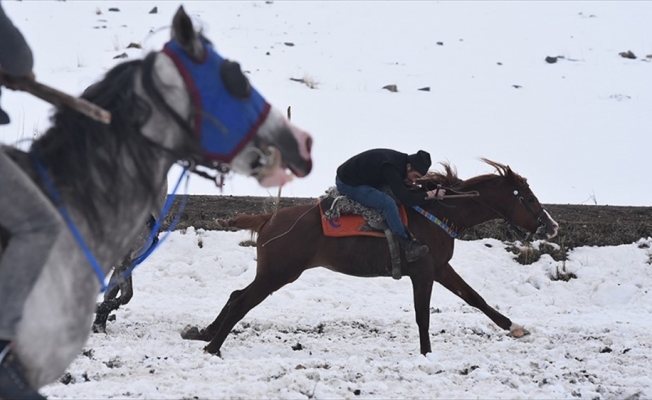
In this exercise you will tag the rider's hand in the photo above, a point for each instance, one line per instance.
(437, 193)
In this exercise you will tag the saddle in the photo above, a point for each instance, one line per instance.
(343, 217)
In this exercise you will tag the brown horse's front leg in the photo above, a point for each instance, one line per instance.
(422, 290)
(453, 282)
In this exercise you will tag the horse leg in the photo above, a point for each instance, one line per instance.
(111, 301)
(422, 289)
(240, 305)
(107, 305)
(206, 334)
(453, 282)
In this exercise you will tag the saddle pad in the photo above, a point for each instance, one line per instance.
(352, 224)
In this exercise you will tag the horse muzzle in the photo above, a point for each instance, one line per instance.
(283, 151)
(548, 227)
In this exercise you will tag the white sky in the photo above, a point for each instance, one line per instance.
(578, 130)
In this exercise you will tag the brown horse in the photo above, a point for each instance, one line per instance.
(293, 242)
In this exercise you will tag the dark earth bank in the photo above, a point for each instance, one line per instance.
(580, 225)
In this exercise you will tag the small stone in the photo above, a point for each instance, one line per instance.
(153, 10)
(628, 54)
(551, 60)
(391, 88)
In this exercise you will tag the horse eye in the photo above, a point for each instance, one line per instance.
(235, 82)
(515, 192)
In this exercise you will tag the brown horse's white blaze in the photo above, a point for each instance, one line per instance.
(552, 227)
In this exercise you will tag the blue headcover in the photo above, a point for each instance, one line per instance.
(224, 124)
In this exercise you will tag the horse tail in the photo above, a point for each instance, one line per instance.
(252, 222)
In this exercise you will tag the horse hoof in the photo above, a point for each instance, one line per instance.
(215, 353)
(99, 328)
(518, 331)
(190, 333)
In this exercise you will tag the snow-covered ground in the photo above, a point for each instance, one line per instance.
(590, 337)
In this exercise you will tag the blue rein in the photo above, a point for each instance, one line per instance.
(80, 240)
(151, 244)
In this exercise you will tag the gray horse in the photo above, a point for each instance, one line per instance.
(107, 177)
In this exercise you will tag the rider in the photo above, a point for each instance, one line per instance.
(362, 176)
(30, 239)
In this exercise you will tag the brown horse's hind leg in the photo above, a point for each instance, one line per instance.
(237, 307)
(422, 289)
(453, 282)
(207, 334)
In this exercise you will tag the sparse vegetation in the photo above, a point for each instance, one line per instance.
(307, 80)
(117, 43)
(562, 274)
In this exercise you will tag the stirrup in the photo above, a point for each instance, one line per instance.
(394, 250)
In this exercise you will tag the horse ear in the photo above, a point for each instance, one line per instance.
(184, 33)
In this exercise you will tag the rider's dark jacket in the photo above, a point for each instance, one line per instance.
(15, 55)
(380, 167)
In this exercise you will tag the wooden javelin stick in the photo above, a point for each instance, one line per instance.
(277, 202)
(455, 196)
(60, 99)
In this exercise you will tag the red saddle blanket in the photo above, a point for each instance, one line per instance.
(352, 224)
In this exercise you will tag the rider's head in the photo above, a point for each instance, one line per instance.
(420, 162)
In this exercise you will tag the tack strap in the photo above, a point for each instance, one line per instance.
(71, 225)
(436, 220)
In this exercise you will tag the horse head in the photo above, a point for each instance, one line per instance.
(226, 124)
(506, 195)
(516, 203)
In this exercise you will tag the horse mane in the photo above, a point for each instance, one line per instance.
(449, 177)
(446, 178)
(83, 155)
(503, 171)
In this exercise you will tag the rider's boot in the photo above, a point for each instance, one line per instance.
(13, 383)
(413, 248)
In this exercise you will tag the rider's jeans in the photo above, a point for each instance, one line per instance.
(373, 198)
